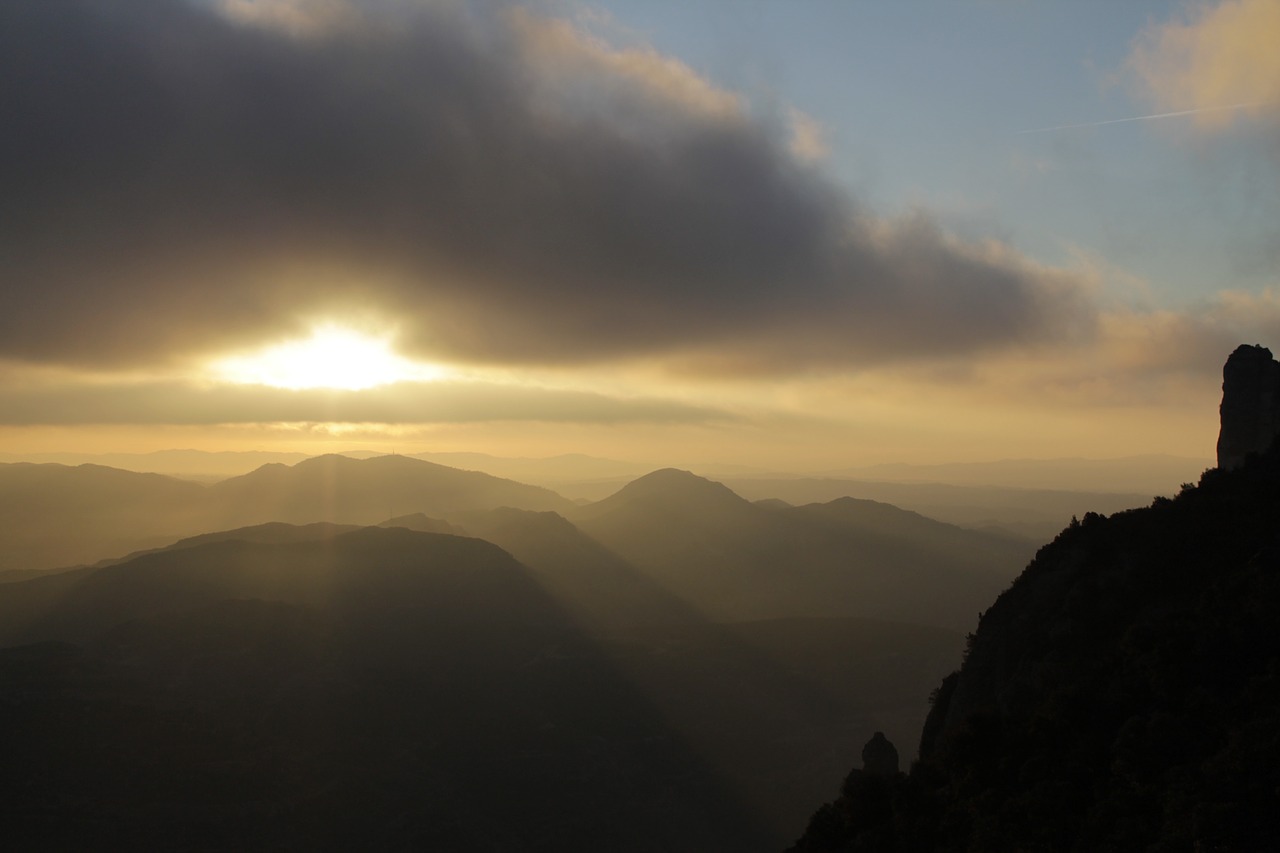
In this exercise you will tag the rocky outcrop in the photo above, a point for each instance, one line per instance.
(1250, 405)
(880, 756)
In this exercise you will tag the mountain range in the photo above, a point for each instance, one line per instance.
(1032, 515)
(668, 534)
(732, 559)
(52, 515)
(582, 475)
(250, 663)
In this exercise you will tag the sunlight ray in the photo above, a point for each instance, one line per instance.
(333, 357)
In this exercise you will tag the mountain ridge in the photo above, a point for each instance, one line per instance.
(117, 512)
(733, 560)
(365, 491)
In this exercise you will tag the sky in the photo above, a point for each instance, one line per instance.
(798, 235)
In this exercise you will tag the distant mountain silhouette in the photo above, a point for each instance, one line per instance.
(422, 523)
(204, 464)
(367, 491)
(116, 512)
(874, 517)
(1122, 694)
(54, 515)
(698, 541)
(671, 514)
(668, 541)
(1034, 515)
(689, 490)
(271, 533)
(732, 559)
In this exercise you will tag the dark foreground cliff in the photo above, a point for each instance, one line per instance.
(1123, 694)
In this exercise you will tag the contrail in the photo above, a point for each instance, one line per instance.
(1148, 118)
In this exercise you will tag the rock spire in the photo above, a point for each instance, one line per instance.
(1250, 408)
(879, 756)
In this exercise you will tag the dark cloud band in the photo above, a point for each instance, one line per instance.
(173, 182)
(401, 403)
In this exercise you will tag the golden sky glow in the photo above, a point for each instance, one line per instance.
(807, 236)
(332, 357)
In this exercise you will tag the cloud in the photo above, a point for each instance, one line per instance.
(73, 402)
(566, 57)
(1212, 57)
(299, 18)
(1147, 352)
(808, 139)
(1138, 357)
(932, 297)
(179, 181)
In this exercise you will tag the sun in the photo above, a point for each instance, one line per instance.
(333, 357)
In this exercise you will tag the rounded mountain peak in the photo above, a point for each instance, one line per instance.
(671, 482)
(672, 490)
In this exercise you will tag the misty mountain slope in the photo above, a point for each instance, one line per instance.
(1123, 693)
(390, 688)
(422, 523)
(601, 589)
(884, 527)
(913, 566)
(54, 515)
(271, 533)
(590, 582)
(447, 578)
(262, 725)
(777, 706)
(810, 678)
(732, 559)
(873, 517)
(367, 491)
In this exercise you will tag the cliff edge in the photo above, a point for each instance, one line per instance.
(1123, 693)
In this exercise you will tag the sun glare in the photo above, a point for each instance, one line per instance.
(333, 357)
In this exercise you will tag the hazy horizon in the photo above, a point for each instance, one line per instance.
(1143, 474)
